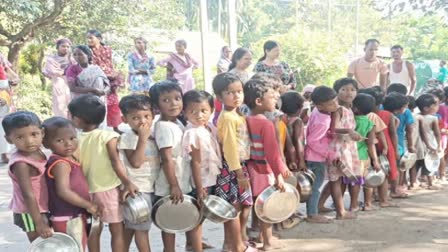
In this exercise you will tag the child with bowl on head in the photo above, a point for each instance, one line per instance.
(68, 190)
(233, 181)
(428, 105)
(175, 179)
(141, 158)
(363, 105)
(266, 166)
(29, 202)
(101, 164)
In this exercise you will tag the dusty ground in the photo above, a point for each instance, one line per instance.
(420, 224)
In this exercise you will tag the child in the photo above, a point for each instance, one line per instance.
(307, 106)
(397, 104)
(166, 96)
(419, 145)
(27, 168)
(5, 104)
(364, 104)
(442, 117)
(316, 150)
(429, 130)
(67, 186)
(200, 147)
(141, 159)
(102, 167)
(266, 164)
(233, 182)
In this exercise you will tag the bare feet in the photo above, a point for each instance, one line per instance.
(399, 195)
(319, 219)
(368, 208)
(290, 222)
(325, 210)
(273, 246)
(205, 246)
(388, 204)
(347, 216)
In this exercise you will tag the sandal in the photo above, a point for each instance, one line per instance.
(290, 222)
(250, 249)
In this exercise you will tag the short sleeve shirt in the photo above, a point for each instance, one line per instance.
(367, 73)
(406, 119)
(145, 176)
(363, 127)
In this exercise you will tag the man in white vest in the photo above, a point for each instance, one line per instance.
(401, 71)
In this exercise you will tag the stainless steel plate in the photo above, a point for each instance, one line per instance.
(176, 218)
(218, 210)
(273, 206)
(59, 242)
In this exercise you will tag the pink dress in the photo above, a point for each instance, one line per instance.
(181, 70)
(343, 149)
(443, 112)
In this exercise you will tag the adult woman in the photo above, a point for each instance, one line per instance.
(141, 66)
(84, 77)
(102, 56)
(224, 60)
(55, 70)
(270, 63)
(180, 66)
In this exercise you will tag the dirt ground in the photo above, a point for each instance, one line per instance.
(420, 225)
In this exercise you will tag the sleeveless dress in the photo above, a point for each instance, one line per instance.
(386, 116)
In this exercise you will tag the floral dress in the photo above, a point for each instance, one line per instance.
(140, 82)
(281, 70)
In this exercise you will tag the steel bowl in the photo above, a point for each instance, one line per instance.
(218, 210)
(59, 242)
(273, 206)
(176, 218)
(136, 210)
(407, 161)
(304, 186)
(310, 175)
(384, 163)
(374, 178)
(432, 162)
(93, 225)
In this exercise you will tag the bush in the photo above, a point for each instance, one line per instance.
(30, 96)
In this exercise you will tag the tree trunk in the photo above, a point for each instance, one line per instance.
(13, 54)
(43, 80)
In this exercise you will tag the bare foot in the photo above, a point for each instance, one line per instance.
(369, 208)
(388, 204)
(205, 246)
(399, 195)
(347, 216)
(290, 222)
(354, 209)
(273, 246)
(319, 219)
(325, 210)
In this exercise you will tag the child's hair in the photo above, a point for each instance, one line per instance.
(256, 88)
(364, 103)
(56, 122)
(411, 100)
(222, 81)
(376, 92)
(292, 102)
(437, 92)
(86, 50)
(161, 87)
(395, 101)
(397, 87)
(198, 96)
(89, 108)
(425, 100)
(338, 84)
(268, 77)
(20, 119)
(322, 94)
(134, 102)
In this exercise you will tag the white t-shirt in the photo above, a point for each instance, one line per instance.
(145, 176)
(169, 134)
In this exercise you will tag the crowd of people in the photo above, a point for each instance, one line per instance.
(255, 132)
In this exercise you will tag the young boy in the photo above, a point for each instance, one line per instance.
(141, 158)
(102, 167)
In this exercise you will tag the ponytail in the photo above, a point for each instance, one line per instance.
(237, 55)
(268, 45)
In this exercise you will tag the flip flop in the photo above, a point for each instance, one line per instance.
(250, 249)
(400, 196)
(390, 205)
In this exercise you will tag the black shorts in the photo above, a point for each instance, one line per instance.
(26, 223)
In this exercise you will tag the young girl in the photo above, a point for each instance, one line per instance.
(141, 159)
(307, 105)
(233, 181)
(27, 171)
(67, 186)
(200, 147)
(419, 145)
(168, 132)
(364, 104)
(442, 117)
(429, 130)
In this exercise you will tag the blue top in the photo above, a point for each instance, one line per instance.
(406, 119)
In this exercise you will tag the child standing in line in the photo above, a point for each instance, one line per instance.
(67, 186)
(419, 145)
(266, 165)
(363, 105)
(140, 156)
(307, 105)
(233, 182)
(102, 167)
(442, 116)
(175, 180)
(428, 105)
(27, 171)
(316, 151)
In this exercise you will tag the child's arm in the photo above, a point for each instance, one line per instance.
(61, 174)
(273, 155)
(290, 153)
(169, 168)
(196, 173)
(372, 150)
(382, 138)
(298, 143)
(393, 135)
(117, 165)
(337, 128)
(137, 157)
(409, 130)
(22, 171)
(437, 134)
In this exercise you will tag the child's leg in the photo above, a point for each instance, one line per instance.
(266, 231)
(169, 242)
(312, 204)
(442, 168)
(195, 237)
(117, 236)
(93, 243)
(233, 239)
(324, 195)
(354, 196)
(128, 235)
(368, 198)
(244, 218)
(413, 176)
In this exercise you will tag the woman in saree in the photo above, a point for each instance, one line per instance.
(55, 67)
(180, 66)
(102, 56)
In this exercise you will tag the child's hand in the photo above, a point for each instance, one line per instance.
(385, 150)
(176, 194)
(292, 166)
(94, 210)
(355, 136)
(243, 183)
(280, 183)
(144, 131)
(44, 230)
(302, 166)
(200, 195)
(376, 166)
(129, 189)
(411, 149)
(286, 173)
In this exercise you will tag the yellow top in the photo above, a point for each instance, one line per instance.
(234, 138)
(95, 161)
(5, 96)
(282, 129)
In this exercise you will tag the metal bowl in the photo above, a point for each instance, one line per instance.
(310, 175)
(273, 206)
(59, 242)
(218, 210)
(374, 178)
(432, 162)
(407, 161)
(176, 218)
(93, 225)
(304, 186)
(384, 162)
(136, 210)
